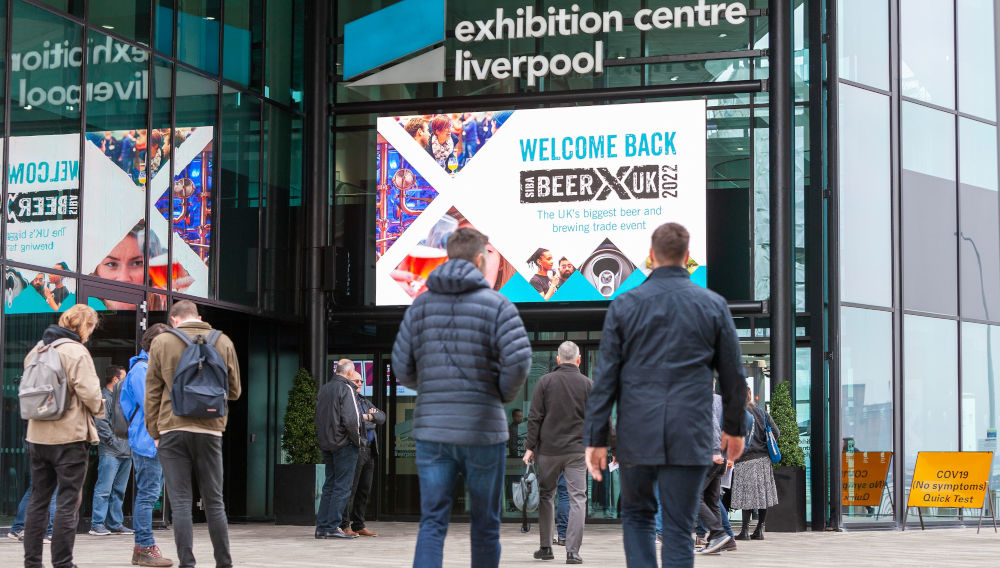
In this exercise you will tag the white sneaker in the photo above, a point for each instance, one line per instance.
(16, 535)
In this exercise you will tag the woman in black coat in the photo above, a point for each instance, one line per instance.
(753, 478)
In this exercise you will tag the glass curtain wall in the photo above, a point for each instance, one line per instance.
(138, 158)
(919, 254)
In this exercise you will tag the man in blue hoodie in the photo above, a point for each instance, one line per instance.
(148, 473)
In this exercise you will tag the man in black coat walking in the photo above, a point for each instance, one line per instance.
(660, 346)
(338, 428)
(463, 347)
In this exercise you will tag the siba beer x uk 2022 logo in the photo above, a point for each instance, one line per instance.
(653, 181)
(403, 43)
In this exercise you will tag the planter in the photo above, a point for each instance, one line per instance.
(789, 515)
(297, 489)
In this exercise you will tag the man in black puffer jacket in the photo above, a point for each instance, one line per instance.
(463, 347)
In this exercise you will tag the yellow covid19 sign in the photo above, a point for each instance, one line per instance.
(950, 479)
(863, 477)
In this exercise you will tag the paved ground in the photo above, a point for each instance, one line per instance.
(284, 547)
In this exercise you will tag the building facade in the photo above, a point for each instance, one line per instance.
(293, 166)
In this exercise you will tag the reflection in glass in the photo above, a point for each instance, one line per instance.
(928, 141)
(976, 59)
(239, 197)
(128, 18)
(980, 392)
(927, 65)
(863, 28)
(27, 291)
(977, 163)
(198, 33)
(930, 376)
(866, 391)
(865, 194)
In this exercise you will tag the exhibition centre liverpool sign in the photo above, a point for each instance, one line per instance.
(373, 59)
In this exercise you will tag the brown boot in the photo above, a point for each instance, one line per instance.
(365, 532)
(350, 533)
(150, 556)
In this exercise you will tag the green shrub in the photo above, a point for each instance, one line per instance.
(298, 439)
(783, 414)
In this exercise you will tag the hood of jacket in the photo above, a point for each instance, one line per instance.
(142, 356)
(54, 332)
(456, 276)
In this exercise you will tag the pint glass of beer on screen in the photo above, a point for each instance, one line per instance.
(423, 259)
(158, 271)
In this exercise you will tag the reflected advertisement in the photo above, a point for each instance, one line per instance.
(568, 197)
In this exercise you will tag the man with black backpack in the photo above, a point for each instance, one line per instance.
(193, 373)
(114, 464)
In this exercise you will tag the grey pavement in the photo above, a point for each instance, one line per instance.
(260, 545)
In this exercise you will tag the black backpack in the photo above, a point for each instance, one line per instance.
(115, 413)
(201, 379)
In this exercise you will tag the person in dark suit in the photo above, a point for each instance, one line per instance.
(660, 346)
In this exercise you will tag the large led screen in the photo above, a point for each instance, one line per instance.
(568, 196)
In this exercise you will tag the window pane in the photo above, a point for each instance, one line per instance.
(979, 249)
(188, 200)
(115, 183)
(863, 40)
(866, 390)
(282, 216)
(980, 404)
(73, 7)
(128, 18)
(976, 59)
(865, 198)
(930, 387)
(283, 80)
(239, 197)
(927, 68)
(164, 26)
(198, 33)
(929, 210)
(243, 37)
(43, 180)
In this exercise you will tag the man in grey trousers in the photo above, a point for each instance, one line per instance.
(555, 441)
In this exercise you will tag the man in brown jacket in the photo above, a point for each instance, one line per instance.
(189, 445)
(59, 448)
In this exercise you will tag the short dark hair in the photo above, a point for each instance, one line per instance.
(670, 243)
(466, 243)
(516, 410)
(110, 374)
(184, 309)
(147, 338)
(415, 125)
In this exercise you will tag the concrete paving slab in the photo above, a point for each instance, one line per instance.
(261, 545)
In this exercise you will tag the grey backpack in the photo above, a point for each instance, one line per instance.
(43, 391)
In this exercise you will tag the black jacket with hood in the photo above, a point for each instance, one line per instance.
(338, 416)
(463, 347)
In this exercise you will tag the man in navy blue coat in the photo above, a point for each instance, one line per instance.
(660, 347)
(463, 347)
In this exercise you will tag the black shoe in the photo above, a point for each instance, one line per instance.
(714, 545)
(321, 534)
(758, 533)
(573, 558)
(544, 553)
(730, 546)
(744, 534)
(339, 533)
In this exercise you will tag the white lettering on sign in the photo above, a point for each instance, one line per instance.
(552, 22)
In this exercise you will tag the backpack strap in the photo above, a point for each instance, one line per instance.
(183, 336)
(213, 336)
(56, 343)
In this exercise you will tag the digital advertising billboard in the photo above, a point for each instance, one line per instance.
(568, 197)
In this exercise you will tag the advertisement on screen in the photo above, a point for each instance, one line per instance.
(568, 197)
(44, 208)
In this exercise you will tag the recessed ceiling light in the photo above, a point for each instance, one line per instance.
(621, 57)
(108, 27)
(209, 17)
(27, 107)
(723, 35)
(674, 78)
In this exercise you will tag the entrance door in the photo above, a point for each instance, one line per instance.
(114, 342)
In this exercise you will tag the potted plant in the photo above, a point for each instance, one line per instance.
(789, 515)
(298, 482)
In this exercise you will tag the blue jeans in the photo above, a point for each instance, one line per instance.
(725, 519)
(680, 490)
(340, 466)
(109, 491)
(22, 510)
(438, 466)
(148, 483)
(562, 507)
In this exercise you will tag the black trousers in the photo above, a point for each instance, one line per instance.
(708, 509)
(354, 511)
(183, 455)
(63, 466)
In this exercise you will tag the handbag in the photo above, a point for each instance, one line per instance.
(772, 444)
(525, 491)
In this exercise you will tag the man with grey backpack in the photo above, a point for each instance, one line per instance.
(193, 373)
(60, 395)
